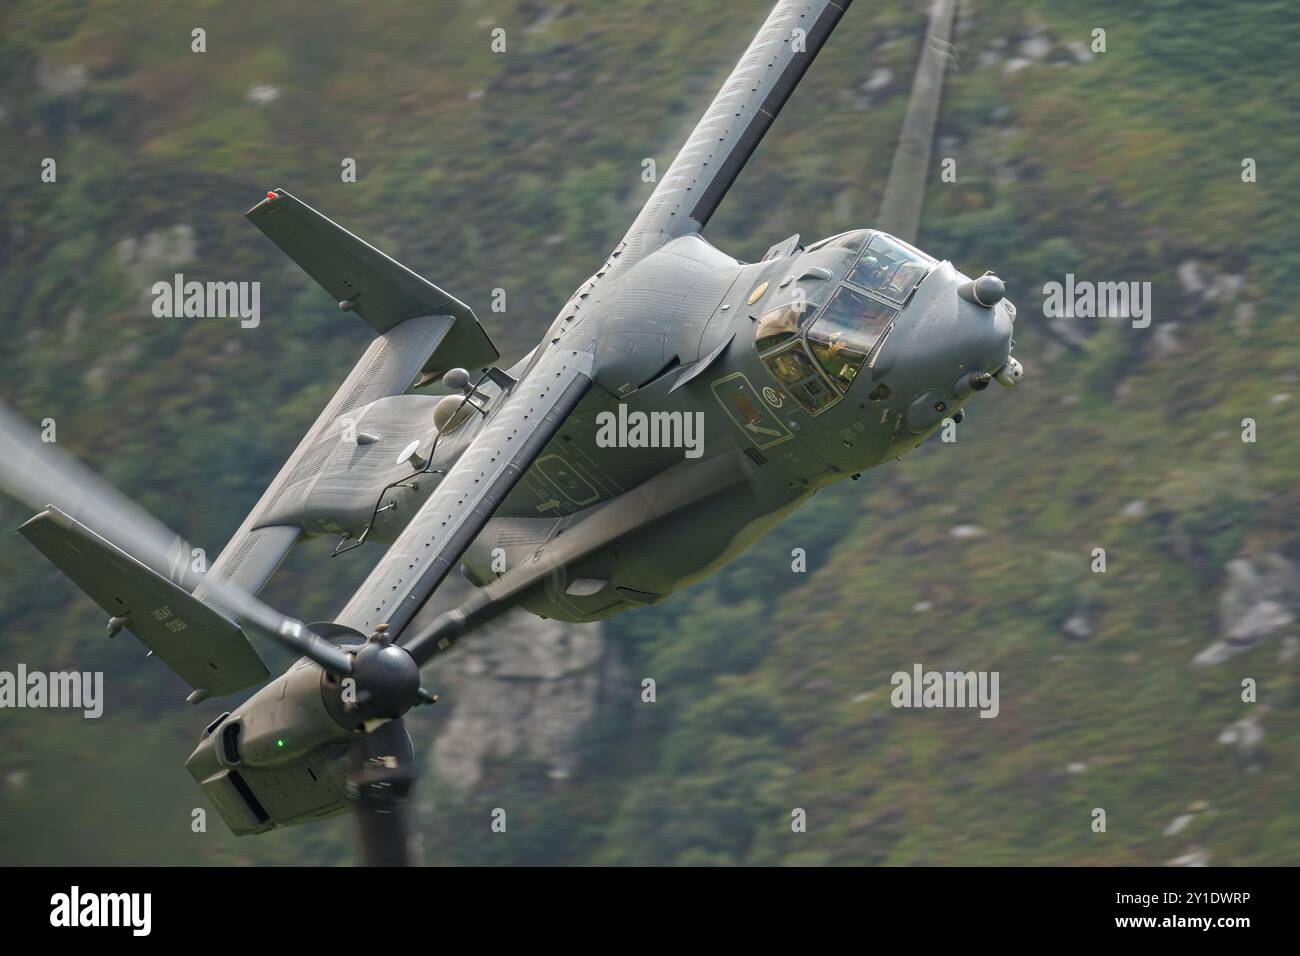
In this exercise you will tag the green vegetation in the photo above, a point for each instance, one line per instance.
(521, 171)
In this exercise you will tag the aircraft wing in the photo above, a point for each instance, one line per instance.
(734, 124)
(208, 650)
(515, 434)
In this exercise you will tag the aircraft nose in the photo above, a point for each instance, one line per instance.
(1000, 333)
(966, 332)
(991, 331)
(955, 339)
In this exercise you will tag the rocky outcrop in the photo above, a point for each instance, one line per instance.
(524, 687)
(1034, 46)
(1246, 738)
(1209, 288)
(1246, 734)
(1260, 601)
(152, 257)
(61, 79)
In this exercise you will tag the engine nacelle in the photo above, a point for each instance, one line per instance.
(277, 760)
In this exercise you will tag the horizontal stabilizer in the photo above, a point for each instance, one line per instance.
(379, 289)
(207, 650)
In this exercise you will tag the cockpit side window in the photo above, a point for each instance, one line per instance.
(890, 268)
(798, 375)
(779, 325)
(844, 333)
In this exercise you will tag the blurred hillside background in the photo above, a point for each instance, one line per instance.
(521, 171)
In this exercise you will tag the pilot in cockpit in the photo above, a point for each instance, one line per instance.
(870, 272)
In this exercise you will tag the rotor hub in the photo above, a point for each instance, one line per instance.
(387, 680)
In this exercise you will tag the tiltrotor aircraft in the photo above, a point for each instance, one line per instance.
(809, 366)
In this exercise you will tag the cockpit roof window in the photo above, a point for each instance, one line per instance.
(890, 267)
(845, 240)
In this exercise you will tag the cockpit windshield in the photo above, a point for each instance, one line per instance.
(890, 268)
(816, 352)
(844, 333)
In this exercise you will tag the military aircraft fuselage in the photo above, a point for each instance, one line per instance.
(681, 404)
(814, 364)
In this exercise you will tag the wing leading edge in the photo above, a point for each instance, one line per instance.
(734, 124)
(447, 523)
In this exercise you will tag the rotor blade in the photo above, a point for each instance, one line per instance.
(40, 474)
(381, 775)
(900, 209)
